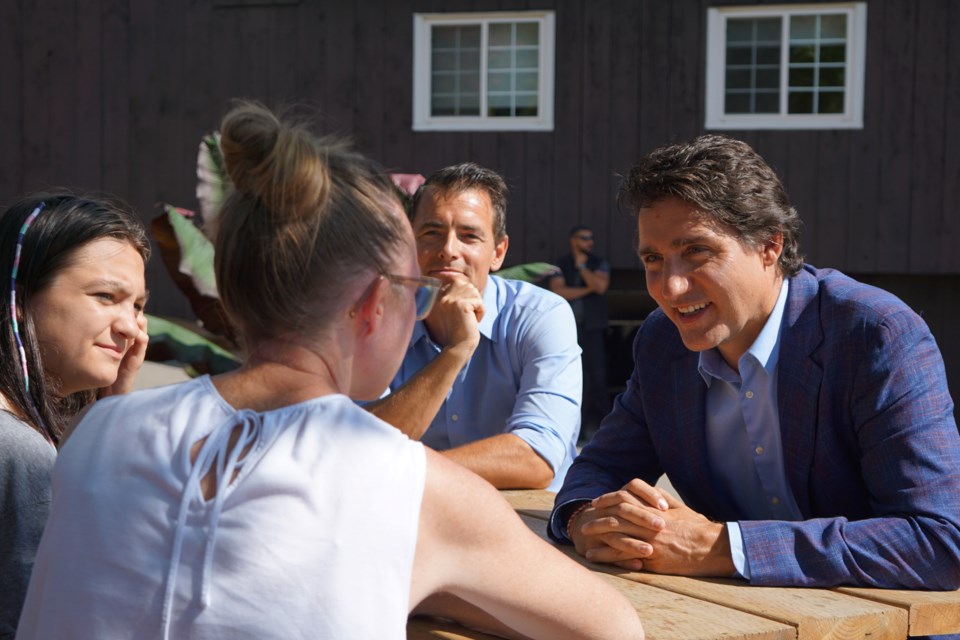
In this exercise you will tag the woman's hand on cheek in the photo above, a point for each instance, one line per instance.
(131, 363)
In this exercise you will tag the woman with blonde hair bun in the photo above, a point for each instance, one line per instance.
(264, 503)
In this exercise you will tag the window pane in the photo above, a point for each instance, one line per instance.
(527, 105)
(443, 106)
(833, 26)
(528, 33)
(737, 103)
(768, 55)
(833, 53)
(830, 102)
(444, 61)
(738, 79)
(528, 58)
(498, 106)
(513, 69)
(803, 27)
(498, 81)
(806, 54)
(800, 102)
(470, 83)
(444, 37)
(739, 30)
(501, 34)
(526, 81)
(455, 69)
(768, 29)
(801, 77)
(832, 77)
(470, 104)
(768, 79)
(767, 102)
(470, 60)
(739, 55)
(499, 59)
(753, 62)
(443, 83)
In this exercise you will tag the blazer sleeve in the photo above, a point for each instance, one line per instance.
(908, 450)
(620, 451)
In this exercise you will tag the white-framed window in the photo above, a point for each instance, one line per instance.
(786, 66)
(483, 71)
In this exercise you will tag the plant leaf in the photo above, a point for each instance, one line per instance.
(207, 308)
(535, 272)
(196, 252)
(172, 341)
(212, 181)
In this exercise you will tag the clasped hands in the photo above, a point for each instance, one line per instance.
(641, 528)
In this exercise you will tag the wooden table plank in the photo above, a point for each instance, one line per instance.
(929, 612)
(532, 502)
(815, 613)
(426, 628)
(665, 616)
(673, 616)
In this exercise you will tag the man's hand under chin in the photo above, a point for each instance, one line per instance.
(454, 320)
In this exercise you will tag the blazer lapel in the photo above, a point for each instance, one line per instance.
(798, 386)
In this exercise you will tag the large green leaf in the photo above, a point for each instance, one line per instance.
(207, 308)
(212, 181)
(535, 272)
(196, 252)
(172, 341)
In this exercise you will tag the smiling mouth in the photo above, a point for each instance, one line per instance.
(692, 309)
(112, 348)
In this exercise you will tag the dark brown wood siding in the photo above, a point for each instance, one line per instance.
(114, 95)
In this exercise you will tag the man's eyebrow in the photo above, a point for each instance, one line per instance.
(679, 242)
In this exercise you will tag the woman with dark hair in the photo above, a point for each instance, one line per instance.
(71, 328)
(263, 503)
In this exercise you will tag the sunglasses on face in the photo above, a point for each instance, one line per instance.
(585, 236)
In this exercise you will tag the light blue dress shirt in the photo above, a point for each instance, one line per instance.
(743, 431)
(524, 377)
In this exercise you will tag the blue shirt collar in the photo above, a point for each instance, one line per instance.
(765, 350)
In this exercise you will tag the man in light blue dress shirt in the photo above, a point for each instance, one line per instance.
(492, 376)
(803, 417)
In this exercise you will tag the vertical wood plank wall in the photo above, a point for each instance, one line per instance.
(114, 95)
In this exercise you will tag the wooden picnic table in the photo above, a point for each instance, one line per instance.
(679, 608)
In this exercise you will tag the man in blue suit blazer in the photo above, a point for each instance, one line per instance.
(803, 417)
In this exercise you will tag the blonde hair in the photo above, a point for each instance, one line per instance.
(307, 219)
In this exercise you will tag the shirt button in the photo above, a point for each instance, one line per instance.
(454, 417)
(759, 450)
(749, 394)
(774, 500)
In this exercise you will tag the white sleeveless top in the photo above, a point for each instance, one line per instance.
(314, 538)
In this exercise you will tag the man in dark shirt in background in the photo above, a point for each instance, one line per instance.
(584, 284)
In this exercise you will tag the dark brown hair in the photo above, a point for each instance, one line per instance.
(466, 176)
(727, 180)
(66, 223)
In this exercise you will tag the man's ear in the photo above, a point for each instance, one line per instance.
(772, 249)
(500, 252)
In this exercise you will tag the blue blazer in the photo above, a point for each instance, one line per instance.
(870, 445)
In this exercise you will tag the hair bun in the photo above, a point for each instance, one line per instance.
(273, 161)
